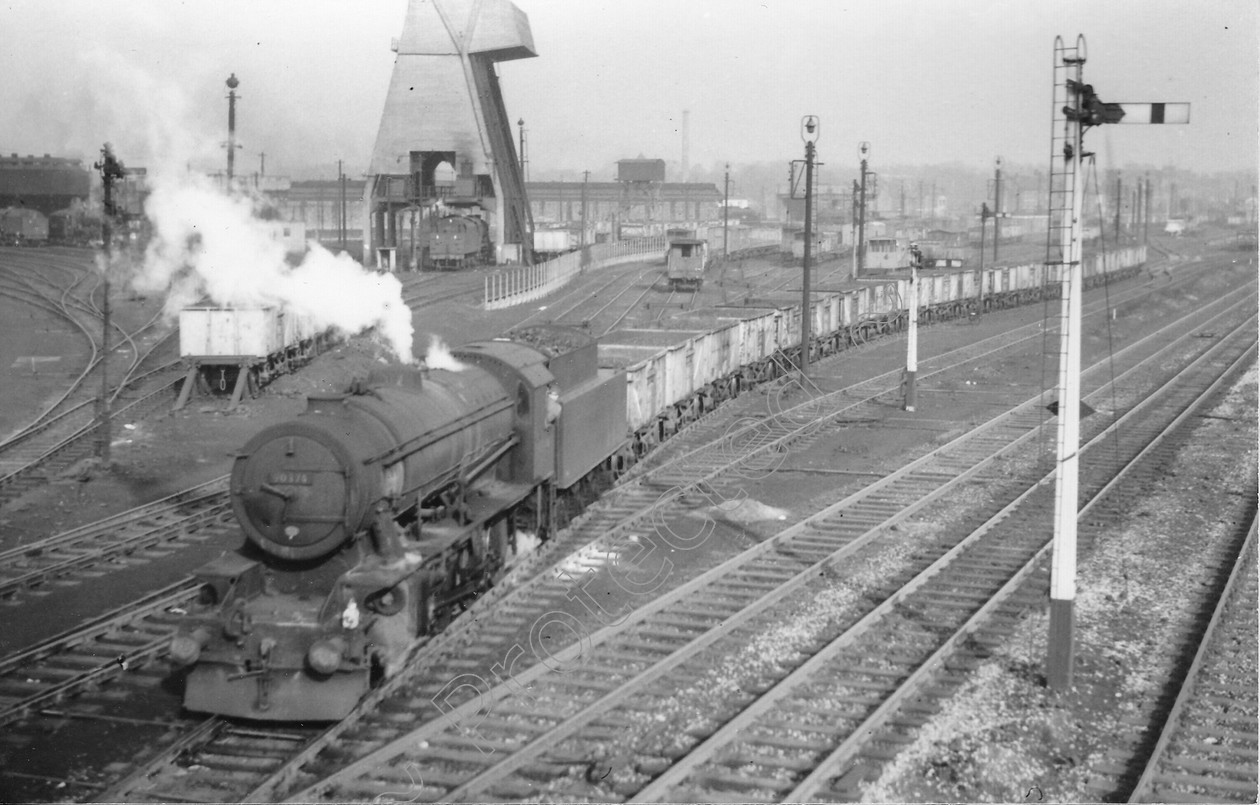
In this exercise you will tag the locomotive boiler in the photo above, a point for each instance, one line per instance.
(371, 517)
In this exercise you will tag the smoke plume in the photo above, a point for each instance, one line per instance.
(207, 243)
(439, 356)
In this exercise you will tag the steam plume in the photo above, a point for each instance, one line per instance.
(206, 243)
(439, 356)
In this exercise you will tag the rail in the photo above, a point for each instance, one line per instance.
(525, 284)
(453, 770)
(529, 283)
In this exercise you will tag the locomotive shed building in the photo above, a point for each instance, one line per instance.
(653, 203)
(46, 183)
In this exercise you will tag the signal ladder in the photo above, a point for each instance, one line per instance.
(1063, 247)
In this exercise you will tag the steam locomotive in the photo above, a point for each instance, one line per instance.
(370, 517)
(373, 516)
(454, 241)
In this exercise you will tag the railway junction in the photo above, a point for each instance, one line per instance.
(782, 541)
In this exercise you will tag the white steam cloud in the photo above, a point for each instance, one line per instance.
(206, 243)
(439, 356)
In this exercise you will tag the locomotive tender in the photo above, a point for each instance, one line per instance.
(370, 518)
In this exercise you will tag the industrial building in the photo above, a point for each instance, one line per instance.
(46, 183)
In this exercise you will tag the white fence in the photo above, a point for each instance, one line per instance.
(739, 238)
(517, 286)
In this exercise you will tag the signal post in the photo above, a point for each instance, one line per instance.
(912, 330)
(1081, 109)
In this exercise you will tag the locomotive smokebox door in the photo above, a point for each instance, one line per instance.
(292, 493)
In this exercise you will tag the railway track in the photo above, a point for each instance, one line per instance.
(444, 658)
(702, 433)
(120, 540)
(587, 304)
(794, 724)
(1207, 748)
(420, 293)
(190, 754)
(41, 453)
(106, 648)
(66, 431)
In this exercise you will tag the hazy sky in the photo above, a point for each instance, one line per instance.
(927, 81)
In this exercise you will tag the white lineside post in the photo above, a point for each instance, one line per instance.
(1060, 644)
(912, 332)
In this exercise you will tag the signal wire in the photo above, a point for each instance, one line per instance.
(1102, 241)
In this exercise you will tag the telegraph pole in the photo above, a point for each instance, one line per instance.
(524, 161)
(111, 170)
(586, 175)
(341, 179)
(860, 246)
(726, 208)
(232, 83)
(984, 213)
(810, 131)
(1146, 212)
(997, 209)
(1119, 199)
(984, 218)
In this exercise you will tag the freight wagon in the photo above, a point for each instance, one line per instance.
(674, 376)
(685, 262)
(550, 243)
(237, 350)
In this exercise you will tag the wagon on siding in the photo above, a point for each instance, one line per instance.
(234, 350)
(685, 263)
